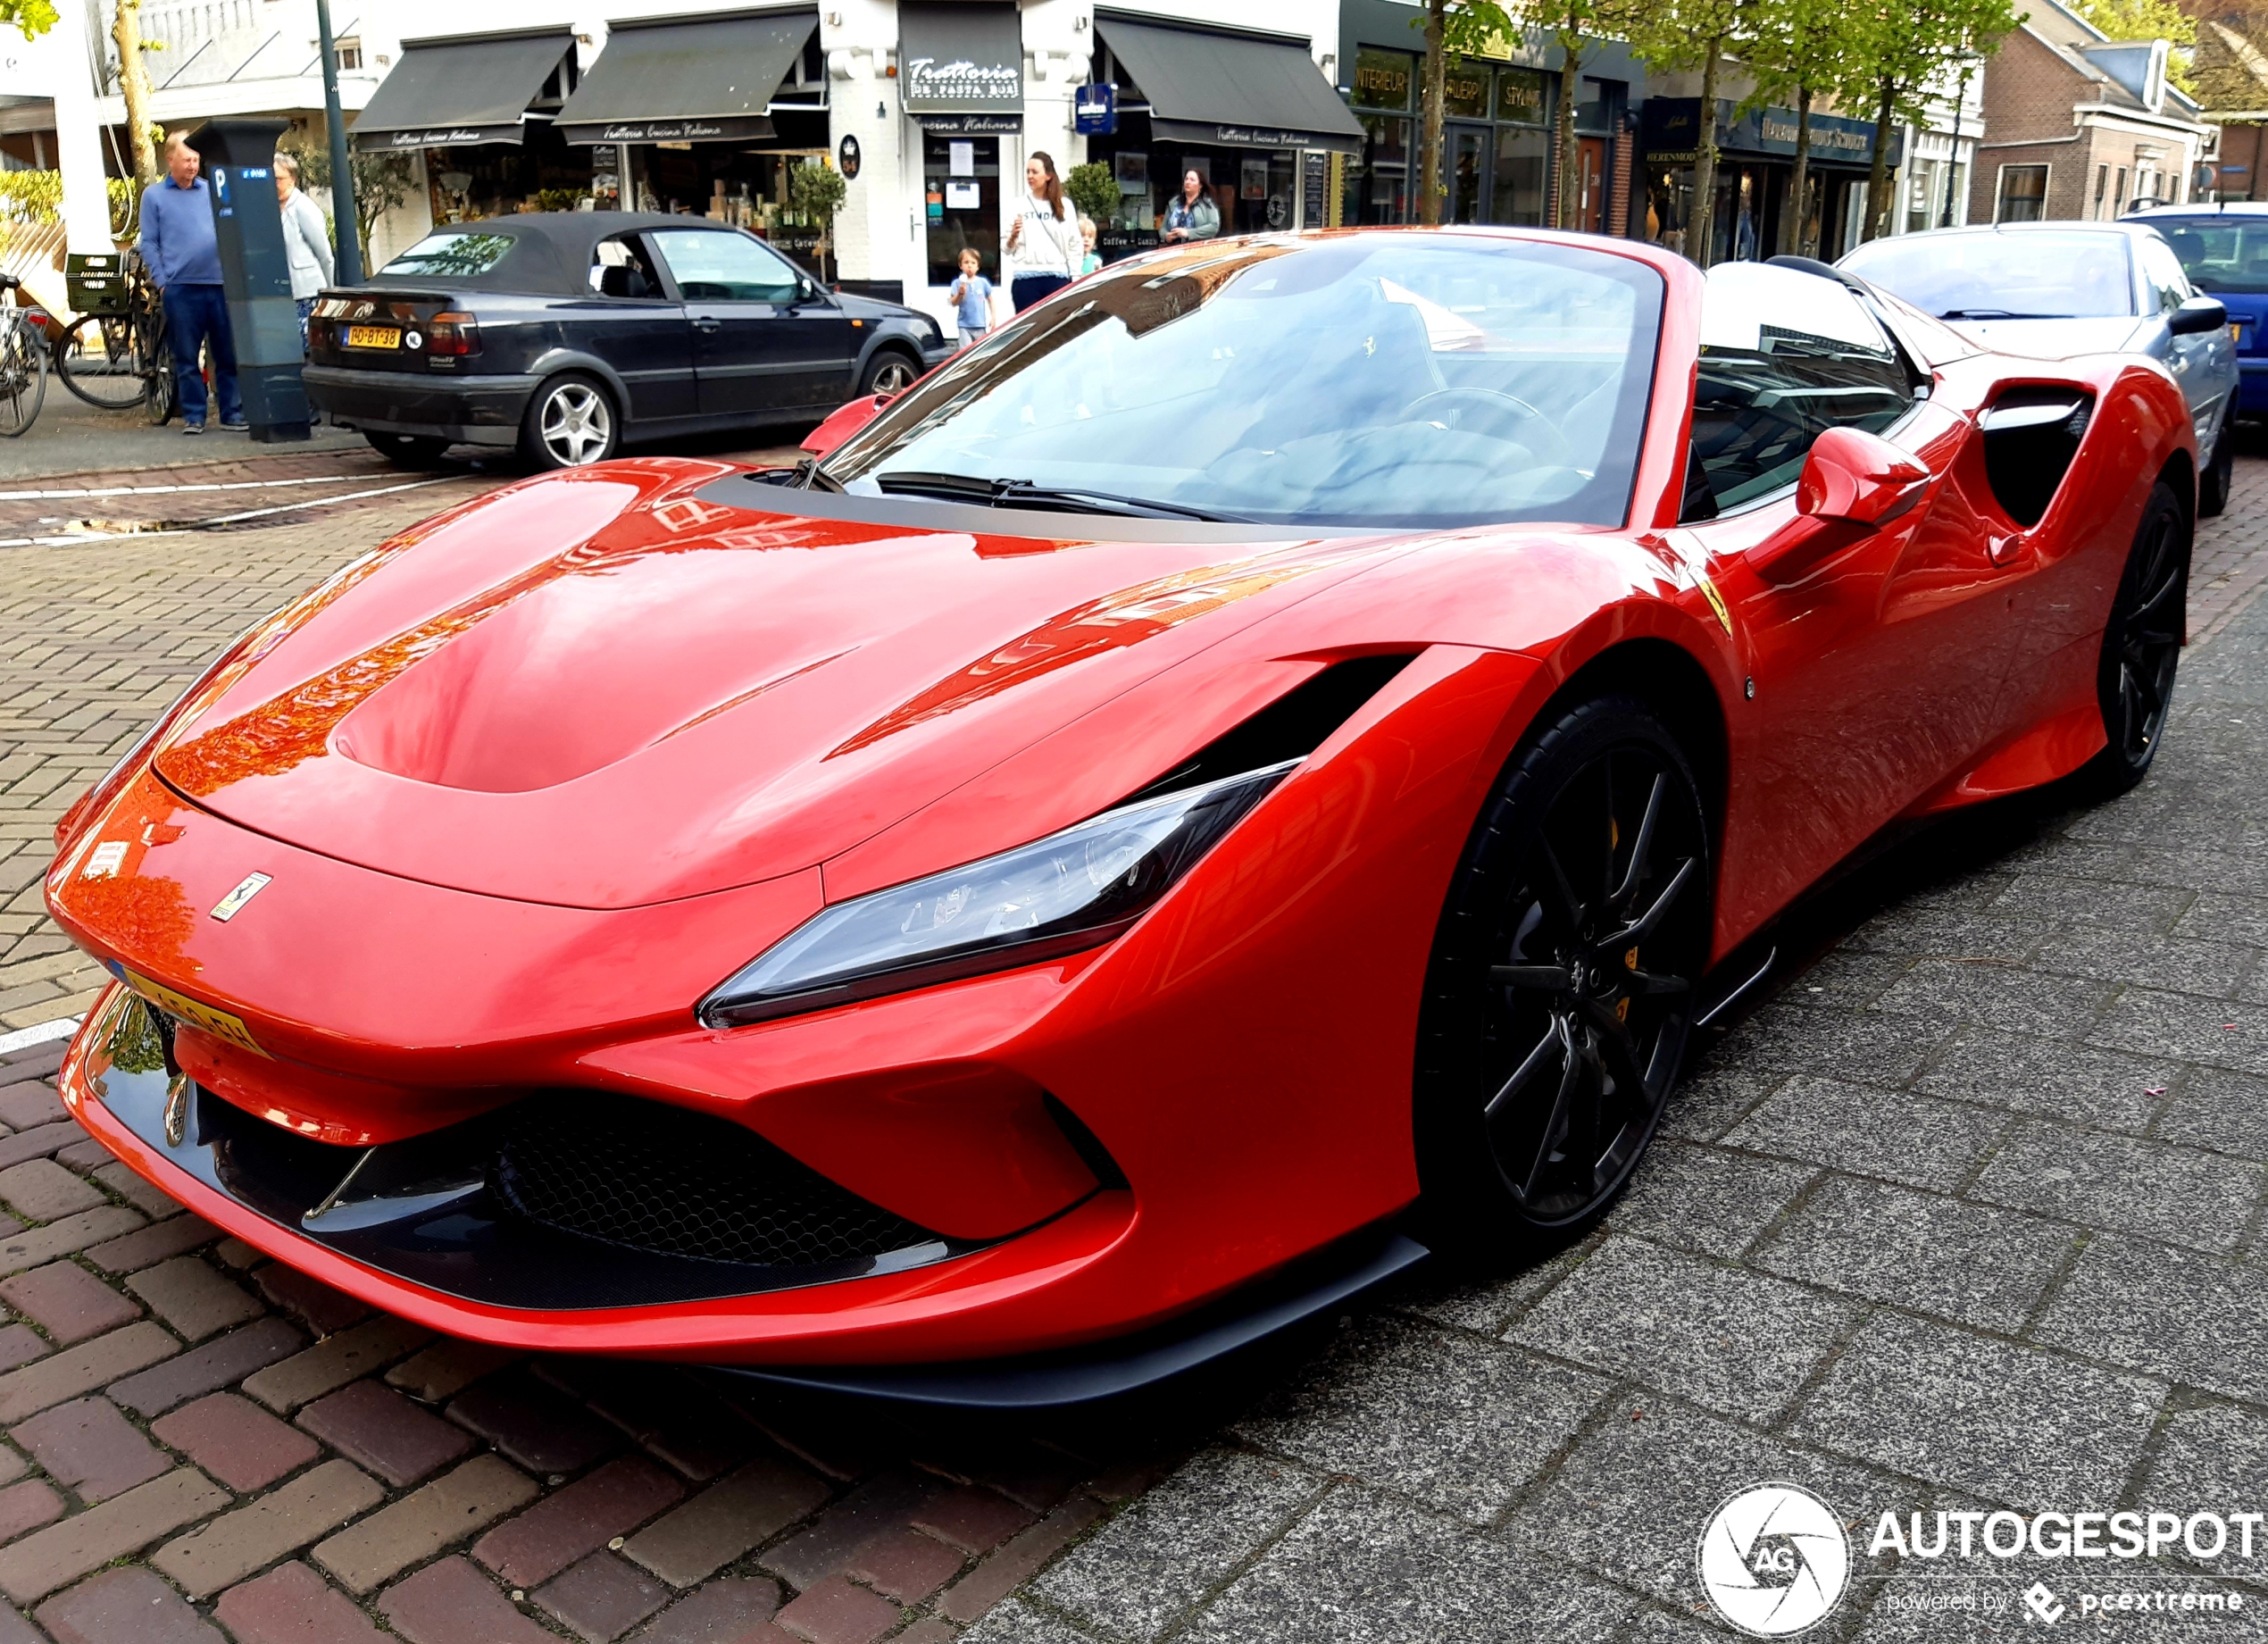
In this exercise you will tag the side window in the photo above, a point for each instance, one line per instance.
(619, 267)
(2169, 286)
(1785, 356)
(721, 265)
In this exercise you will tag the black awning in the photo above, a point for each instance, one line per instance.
(961, 58)
(704, 79)
(476, 89)
(1219, 85)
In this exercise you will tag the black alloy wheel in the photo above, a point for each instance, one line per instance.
(889, 372)
(1561, 991)
(2142, 645)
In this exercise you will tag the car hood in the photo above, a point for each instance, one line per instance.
(601, 689)
(2055, 339)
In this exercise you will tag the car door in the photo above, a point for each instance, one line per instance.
(631, 321)
(1874, 657)
(762, 340)
(2203, 362)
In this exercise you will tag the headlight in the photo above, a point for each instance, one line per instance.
(1071, 890)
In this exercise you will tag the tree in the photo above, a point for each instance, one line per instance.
(1797, 50)
(1675, 36)
(1093, 188)
(1452, 28)
(1897, 53)
(1570, 24)
(819, 192)
(381, 180)
(134, 87)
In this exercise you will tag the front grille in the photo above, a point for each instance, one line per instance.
(648, 1176)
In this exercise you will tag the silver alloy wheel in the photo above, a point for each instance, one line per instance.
(577, 425)
(893, 376)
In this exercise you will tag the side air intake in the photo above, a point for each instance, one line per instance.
(1291, 726)
(2030, 436)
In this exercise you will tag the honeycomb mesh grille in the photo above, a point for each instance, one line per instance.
(646, 1176)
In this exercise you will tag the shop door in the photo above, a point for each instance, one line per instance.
(1590, 184)
(1466, 157)
(756, 347)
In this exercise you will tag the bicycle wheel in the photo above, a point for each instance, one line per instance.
(163, 393)
(23, 378)
(99, 361)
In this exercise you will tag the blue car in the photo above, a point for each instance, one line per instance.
(2224, 250)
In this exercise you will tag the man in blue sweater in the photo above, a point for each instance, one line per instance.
(184, 257)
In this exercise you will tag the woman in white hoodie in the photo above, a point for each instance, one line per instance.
(306, 241)
(1044, 246)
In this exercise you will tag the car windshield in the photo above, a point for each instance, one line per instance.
(2028, 276)
(461, 256)
(1388, 380)
(2220, 254)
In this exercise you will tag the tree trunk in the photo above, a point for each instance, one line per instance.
(1427, 184)
(1798, 239)
(1562, 132)
(1701, 230)
(1877, 177)
(134, 86)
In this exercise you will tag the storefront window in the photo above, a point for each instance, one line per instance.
(1383, 79)
(960, 201)
(1522, 95)
(1523, 175)
(1464, 93)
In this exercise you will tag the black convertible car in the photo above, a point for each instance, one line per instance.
(567, 333)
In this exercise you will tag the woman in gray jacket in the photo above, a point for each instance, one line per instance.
(306, 240)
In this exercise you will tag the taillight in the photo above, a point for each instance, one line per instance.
(453, 333)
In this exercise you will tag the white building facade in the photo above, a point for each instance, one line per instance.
(928, 108)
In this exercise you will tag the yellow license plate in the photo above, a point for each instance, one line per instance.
(203, 1017)
(373, 336)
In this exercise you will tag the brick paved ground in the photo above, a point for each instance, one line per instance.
(1968, 1215)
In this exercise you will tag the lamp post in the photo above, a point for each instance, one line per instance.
(1953, 165)
(344, 219)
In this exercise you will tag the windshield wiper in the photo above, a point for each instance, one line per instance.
(808, 477)
(1997, 314)
(1024, 493)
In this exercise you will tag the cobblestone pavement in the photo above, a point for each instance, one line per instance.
(1968, 1215)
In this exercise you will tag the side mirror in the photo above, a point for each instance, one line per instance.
(806, 289)
(844, 422)
(1853, 475)
(2198, 316)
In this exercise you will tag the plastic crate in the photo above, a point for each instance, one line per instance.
(95, 281)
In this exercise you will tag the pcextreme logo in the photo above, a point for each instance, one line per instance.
(1774, 1560)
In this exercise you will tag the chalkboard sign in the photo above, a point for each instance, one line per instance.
(1314, 190)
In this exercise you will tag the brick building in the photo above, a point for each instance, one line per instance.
(2081, 126)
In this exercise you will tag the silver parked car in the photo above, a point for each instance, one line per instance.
(2055, 289)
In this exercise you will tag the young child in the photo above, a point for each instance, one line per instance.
(1092, 260)
(971, 297)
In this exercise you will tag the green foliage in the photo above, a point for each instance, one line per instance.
(818, 191)
(32, 18)
(381, 181)
(1796, 45)
(1470, 27)
(1093, 188)
(1682, 35)
(32, 196)
(558, 199)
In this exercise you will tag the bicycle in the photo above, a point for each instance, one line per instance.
(23, 364)
(116, 358)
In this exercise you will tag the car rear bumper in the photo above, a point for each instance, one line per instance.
(477, 411)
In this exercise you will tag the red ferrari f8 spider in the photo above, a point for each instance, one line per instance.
(1286, 737)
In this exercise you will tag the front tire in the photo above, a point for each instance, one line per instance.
(2142, 647)
(1560, 992)
(887, 372)
(570, 423)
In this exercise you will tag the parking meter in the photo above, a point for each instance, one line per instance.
(256, 273)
